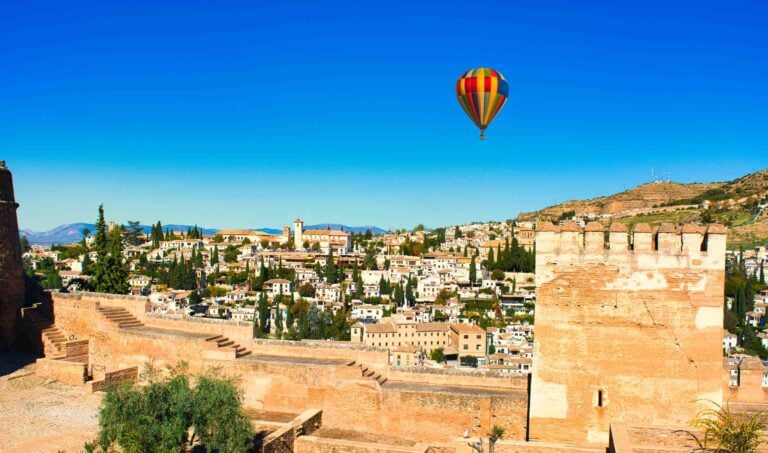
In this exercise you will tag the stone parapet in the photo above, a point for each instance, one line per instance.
(668, 239)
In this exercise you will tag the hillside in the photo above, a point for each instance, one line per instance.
(741, 204)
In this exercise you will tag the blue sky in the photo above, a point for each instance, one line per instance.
(247, 114)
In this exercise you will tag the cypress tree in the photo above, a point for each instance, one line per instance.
(289, 313)
(278, 317)
(263, 314)
(110, 273)
(215, 255)
(490, 262)
(762, 273)
(331, 273)
(472, 271)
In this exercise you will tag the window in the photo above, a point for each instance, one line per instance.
(466, 346)
(599, 398)
(466, 337)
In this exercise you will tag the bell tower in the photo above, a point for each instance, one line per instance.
(298, 234)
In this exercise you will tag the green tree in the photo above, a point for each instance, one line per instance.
(263, 311)
(496, 434)
(215, 255)
(87, 264)
(110, 272)
(24, 243)
(472, 271)
(173, 413)
(278, 316)
(762, 273)
(331, 271)
(437, 355)
(133, 233)
(728, 432)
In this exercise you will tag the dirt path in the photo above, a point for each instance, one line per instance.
(40, 416)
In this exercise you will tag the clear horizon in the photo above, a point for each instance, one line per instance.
(251, 115)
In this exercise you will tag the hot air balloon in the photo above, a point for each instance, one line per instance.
(482, 92)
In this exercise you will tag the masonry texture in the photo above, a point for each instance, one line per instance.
(11, 273)
(291, 376)
(628, 329)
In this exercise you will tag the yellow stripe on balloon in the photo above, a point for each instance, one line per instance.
(493, 91)
(480, 97)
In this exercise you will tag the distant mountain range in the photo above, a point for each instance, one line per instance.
(73, 232)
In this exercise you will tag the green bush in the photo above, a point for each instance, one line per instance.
(170, 414)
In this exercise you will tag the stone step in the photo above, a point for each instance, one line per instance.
(242, 354)
(120, 318)
(224, 344)
(130, 324)
(214, 338)
(382, 381)
(352, 363)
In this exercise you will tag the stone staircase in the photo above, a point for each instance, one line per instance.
(367, 373)
(120, 316)
(223, 342)
(53, 338)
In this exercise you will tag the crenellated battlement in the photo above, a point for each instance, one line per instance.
(594, 239)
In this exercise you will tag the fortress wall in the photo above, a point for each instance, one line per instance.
(634, 323)
(136, 305)
(458, 377)
(288, 376)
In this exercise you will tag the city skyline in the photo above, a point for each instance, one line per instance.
(251, 115)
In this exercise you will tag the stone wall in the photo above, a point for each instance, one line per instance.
(11, 273)
(72, 373)
(625, 331)
(448, 376)
(115, 378)
(288, 376)
(312, 444)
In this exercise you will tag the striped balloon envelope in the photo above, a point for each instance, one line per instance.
(482, 92)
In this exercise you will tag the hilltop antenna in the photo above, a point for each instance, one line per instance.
(669, 176)
(653, 174)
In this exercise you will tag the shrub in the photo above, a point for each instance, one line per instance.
(172, 413)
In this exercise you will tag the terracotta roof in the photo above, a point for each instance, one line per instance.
(385, 327)
(236, 232)
(431, 327)
(325, 233)
(467, 328)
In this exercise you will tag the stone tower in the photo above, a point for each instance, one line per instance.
(627, 330)
(298, 234)
(11, 273)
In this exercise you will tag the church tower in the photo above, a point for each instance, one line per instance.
(298, 234)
